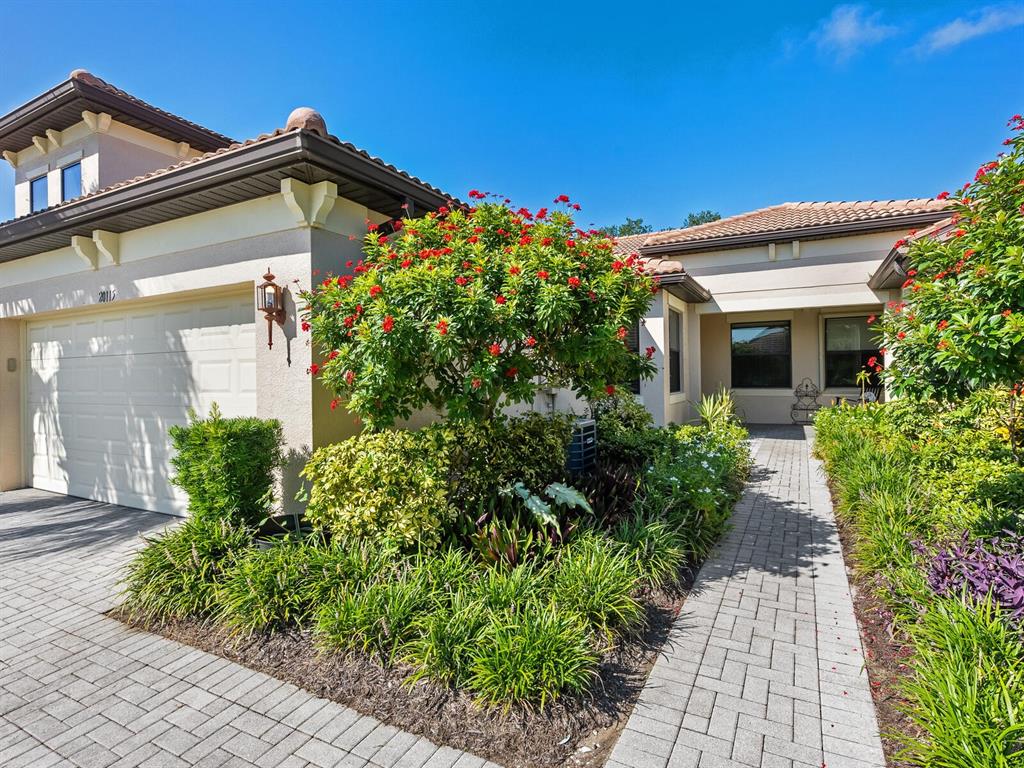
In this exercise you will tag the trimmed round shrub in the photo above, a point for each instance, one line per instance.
(227, 466)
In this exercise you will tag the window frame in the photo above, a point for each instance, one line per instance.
(825, 386)
(785, 323)
(45, 178)
(677, 366)
(63, 187)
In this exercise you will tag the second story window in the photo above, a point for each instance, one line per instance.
(38, 193)
(70, 182)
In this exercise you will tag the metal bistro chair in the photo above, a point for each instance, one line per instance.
(806, 404)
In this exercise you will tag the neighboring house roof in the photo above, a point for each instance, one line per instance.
(795, 221)
(303, 149)
(669, 272)
(62, 106)
(892, 271)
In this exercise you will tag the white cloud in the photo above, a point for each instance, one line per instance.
(984, 22)
(850, 29)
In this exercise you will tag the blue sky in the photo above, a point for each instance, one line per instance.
(634, 109)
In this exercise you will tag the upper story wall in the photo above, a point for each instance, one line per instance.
(813, 273)
(109, 151)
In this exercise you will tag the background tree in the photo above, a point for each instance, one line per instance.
(469, 309)
(629, 227)
(701, 217)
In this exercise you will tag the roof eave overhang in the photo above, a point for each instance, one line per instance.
(36, 112)
(890, 273)
(799, 233)
(281, 152)
(684, 287)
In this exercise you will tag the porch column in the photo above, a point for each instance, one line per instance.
(654, 333)
(12, 474)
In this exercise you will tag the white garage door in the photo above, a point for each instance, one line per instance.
(106, 385)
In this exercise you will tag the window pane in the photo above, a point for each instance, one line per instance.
(675, 351)
(849, 343)
(761, 356)
(633, 345)
(37, 189)
(71, 182)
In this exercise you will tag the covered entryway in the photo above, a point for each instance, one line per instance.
(105, 385)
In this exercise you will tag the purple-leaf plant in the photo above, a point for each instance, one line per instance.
(978, 567)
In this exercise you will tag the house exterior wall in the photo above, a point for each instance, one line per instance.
(109, 153)
(227, 249)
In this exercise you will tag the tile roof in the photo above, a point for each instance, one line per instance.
(630, 244)
(83, 76)
(234, 147)
(794, 216)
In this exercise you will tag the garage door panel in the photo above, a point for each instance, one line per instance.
(105, 389)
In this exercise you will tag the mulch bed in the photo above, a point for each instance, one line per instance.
(886, 656)
(571, 732)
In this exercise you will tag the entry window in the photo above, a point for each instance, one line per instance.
(848, 346)
(675, 351)
(761, 356)
(70, 182)
(38, 193)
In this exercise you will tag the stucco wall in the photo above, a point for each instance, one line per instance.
(770, 406)
(11, 473)
(229, 248)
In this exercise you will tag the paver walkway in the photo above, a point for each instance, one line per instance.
(78, 688)
(764, 666)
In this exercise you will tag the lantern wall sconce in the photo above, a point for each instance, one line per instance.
(270, 299)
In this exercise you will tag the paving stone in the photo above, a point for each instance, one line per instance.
(78, 688)
(763, 664)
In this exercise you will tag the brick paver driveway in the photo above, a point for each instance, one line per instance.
(764, 667)
(77, 688)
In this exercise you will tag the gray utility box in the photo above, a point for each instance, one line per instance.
(583, 448)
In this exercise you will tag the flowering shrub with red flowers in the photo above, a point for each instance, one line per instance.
(470, 308)
(960, 324)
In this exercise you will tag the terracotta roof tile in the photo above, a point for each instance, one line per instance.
(87, 77)
(630, 245)
(795, 216)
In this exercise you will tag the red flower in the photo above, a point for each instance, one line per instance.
(472, 239)
(305, 326)
(314, 369)
(389, 324)
(476, 194)
(542, 275)
(907, 283)
(546, 241)
(911, 272)
(943, 325)
(461, 280)
(942, 196)
(610, 389)
(530, 341)
(349, 321)
(495, 349)
(1007, 312)
(872, 361)
(617, 266)
(511, 372)
(406, 264)
(499, 299)
(525, 240)
(574, 282)
(959, 232)
(649, 352)
(442, 327)
(349, 376)
(562, 199)
(375, 290)
(901, 335)
(871, 319)
(899, 243)
(514, 270)
(334, 403)
(570, 243)
(942, 344)
(621, 333)
(475, 383)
